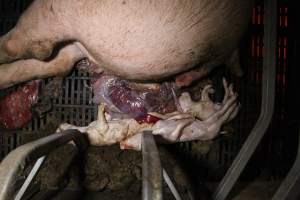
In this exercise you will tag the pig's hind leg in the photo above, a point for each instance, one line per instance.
(38, 31)
(26, 51)
(23, 70)
(18, 44)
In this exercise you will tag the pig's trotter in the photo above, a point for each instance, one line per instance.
(227, 111)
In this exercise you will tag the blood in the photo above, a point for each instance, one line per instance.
(15, 108)
(149, 119)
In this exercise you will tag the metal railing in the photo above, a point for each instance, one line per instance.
(267, 104)
(13, 166)
(153, 173)
(152, 170)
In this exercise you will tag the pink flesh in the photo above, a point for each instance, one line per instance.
(15, 108)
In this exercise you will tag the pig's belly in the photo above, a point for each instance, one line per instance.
(156, 60)
(146, 41)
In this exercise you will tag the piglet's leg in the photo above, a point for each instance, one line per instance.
(24, 70)
(216, 115)
(95, 130)
(205, 107)
(180, 127)
(106, 132)
(212, 124)
(196, 129)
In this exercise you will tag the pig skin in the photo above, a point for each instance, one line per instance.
(140, 40)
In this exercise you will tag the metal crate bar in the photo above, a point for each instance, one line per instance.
(267, 105)
(152, 170)
(15, 163)
(153, 173)
(30, 177)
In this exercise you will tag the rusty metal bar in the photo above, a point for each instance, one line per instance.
(289, 188)
(152, 170)
(267, 106)
(15, 163)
